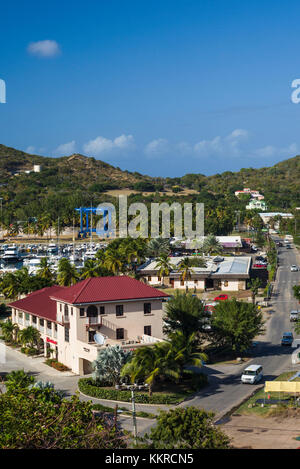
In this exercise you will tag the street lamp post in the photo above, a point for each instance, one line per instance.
(133, 388)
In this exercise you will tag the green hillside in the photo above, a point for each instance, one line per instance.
(72, 181)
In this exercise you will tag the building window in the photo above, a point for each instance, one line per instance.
(66, 310)
(149, 278)
(225, 283)
(42, 322)
(147, 308)
(49, 326)
(102, 309)
(33, 319)
(67, 334)
(91, 336)
(71, 311)
(119, 310)
(92, 311)
(27, 316)
(60, 307)
(81, 312)
(182, 283)
(147, 330)
(120, 334)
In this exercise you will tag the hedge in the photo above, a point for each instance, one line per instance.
(87, 386)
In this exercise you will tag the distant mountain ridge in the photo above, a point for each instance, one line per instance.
(81, 172)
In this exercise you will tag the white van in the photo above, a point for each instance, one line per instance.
(252, 374)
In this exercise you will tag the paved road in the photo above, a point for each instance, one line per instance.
(225, 389)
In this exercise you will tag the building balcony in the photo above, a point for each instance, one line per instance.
(93, 321)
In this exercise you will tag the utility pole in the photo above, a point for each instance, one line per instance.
(134, 416)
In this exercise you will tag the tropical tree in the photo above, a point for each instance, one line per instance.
(185, 269)
(42, 419)
(185, 352)
(165, 266)
(186, 428)
(113, 263)
(296, 290)
(236, 323)
(29, 336)
(107, 367)
(9, 330)
(158, 246)
(168, 359)
(45, 271)
(150, 363)
(185, 313)
(67, 274)
(90, 269)
(255, 285)
(212, 245)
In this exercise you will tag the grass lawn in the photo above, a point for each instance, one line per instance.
(244, 409)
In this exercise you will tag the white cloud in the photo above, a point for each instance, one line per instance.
(270, 150)
(65, 148)
(157, 147)
(47, 48)
(228, 145)
(104, 145)
(31, 149)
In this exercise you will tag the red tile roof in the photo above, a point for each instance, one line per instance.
(102, 289)
(39, 303)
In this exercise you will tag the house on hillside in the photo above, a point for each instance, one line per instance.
(75, 322)
(257, 205)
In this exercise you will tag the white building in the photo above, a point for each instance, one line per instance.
(119, 310)
(230, 274)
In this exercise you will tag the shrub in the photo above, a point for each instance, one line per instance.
(87, 386)
(57, 365)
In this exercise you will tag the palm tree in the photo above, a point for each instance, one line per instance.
(165, 266)
(113, 262)
(67, 274)
(211, 244)
(185, 269)
(91, 269)
(9, 331)
(29, 336)
(158, 246)
(184, 313)
(149, 363)
(167, 359)
(45, 271)
(184, 351)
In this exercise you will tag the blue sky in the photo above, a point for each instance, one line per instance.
(159, 87)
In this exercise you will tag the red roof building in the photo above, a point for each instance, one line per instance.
(95, 313)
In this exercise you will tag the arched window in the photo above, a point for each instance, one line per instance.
(92, 311)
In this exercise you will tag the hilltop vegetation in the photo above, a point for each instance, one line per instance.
(68, 182)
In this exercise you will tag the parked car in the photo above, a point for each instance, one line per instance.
(221, 298)
(294, 268)
(287, 338)
(261, 258)
(288, 246)
(252, 374)
(294, 315)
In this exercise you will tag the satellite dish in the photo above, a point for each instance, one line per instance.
(99, 338)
